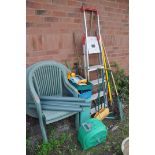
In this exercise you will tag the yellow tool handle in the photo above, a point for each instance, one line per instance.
(105, 66)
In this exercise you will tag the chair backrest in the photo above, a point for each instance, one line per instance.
(47, 78)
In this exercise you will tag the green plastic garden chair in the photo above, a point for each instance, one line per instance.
(48, 78)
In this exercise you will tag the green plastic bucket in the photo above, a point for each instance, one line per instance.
(92, 133)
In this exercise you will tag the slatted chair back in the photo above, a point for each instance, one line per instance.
(47, 78)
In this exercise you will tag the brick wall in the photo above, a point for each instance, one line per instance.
(50, 26)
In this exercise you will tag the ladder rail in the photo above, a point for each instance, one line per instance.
(105, 84)
(86, 53)
(85, 24)
(86, 46)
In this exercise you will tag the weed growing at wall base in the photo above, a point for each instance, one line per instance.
(122, 82)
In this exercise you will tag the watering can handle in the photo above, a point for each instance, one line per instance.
(87, 126)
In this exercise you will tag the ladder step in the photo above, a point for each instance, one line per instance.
(94, 96)
(94, 52)
(95, 82)
(93, 68)
(93, 110)
(92, 45)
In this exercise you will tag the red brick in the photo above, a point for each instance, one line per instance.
(28, 43)
(74, 3)
(35, 5)
(50, 32)
(51, 41)
(30, 11)
(66, 20)
(73, 14)
(123, 6)
(34, 19)
(110, 9)
(41, 53)
(29, 24)
(42, 1)
(60, 2)
(42, 25)
(40, 12)
(123, 1)
(51, 19)
(78, 20)
(37, 42)
(58, 13)
(67, 41)
(109, 3)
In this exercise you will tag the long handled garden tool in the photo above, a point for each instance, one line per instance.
(104, 62)
(103, 112)
(119, 102)
(98, 97)
(107, 78)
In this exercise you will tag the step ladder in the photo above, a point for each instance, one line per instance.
(91, 46)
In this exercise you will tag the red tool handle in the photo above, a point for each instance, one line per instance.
(83, 8)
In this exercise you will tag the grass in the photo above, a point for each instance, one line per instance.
(66, 143)
(56, 145)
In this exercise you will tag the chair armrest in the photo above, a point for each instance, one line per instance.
(70, 88)
(35, 96)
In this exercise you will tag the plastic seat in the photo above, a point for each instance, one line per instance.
(48, 78)
(52, 116)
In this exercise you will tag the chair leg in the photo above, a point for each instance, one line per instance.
(43, 130)
(77, 121)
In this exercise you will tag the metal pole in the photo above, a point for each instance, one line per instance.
(85, 46)
(85, 23)
(111, 72)
(86, 51)
(102, 70)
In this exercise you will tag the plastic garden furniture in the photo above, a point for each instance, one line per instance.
(48, 79)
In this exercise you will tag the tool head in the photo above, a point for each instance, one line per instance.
(102, 114)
